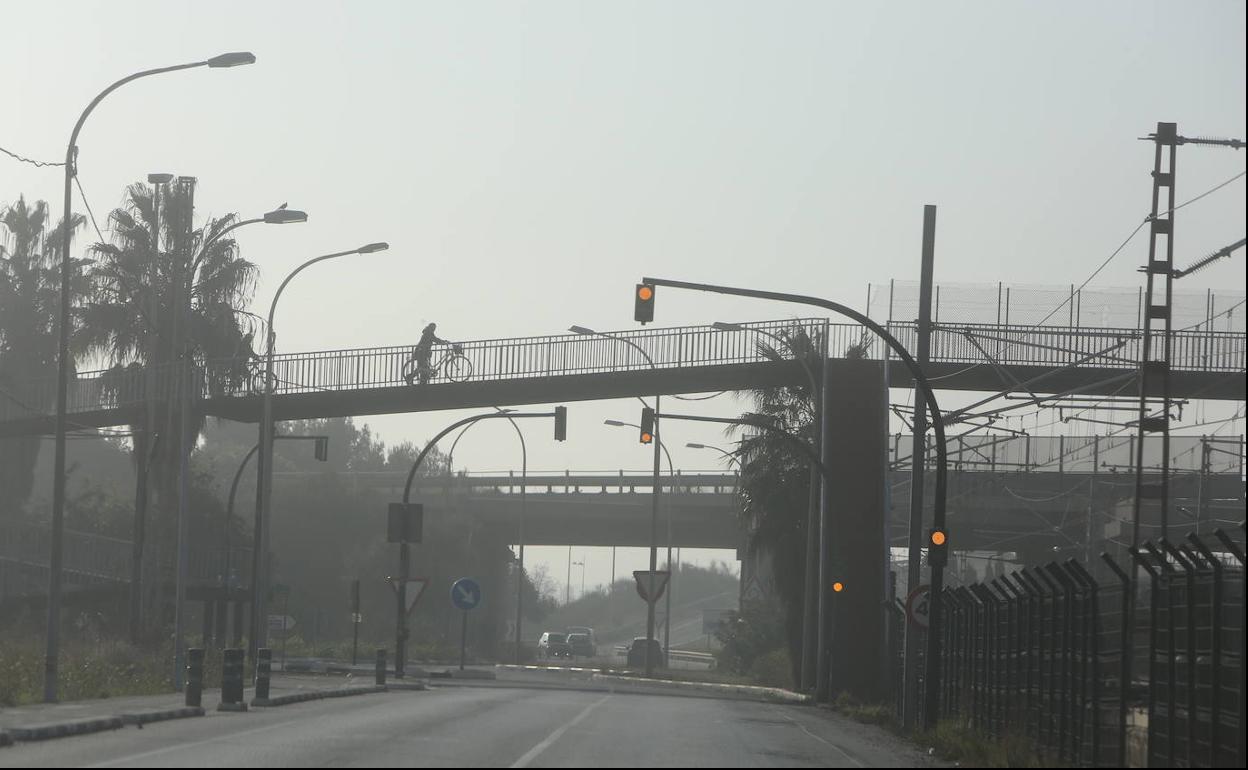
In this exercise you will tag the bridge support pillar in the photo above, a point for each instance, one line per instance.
(858, 463)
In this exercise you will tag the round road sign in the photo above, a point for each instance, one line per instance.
(466, 594)
(918, 606)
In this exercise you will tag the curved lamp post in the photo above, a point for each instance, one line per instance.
(264, 473)
(654, 510)
(400, 648)
(932, 686)
(63, 361)
(729, 456)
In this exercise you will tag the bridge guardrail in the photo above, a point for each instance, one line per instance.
(571, 354)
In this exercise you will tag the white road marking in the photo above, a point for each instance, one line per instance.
(536, 751)
(180, 746)
(842, 751)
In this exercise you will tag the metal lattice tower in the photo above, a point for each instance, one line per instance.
(1154, 382)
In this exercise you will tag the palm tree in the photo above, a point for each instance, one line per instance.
(30, 280)
(775, 479)
(135, 302)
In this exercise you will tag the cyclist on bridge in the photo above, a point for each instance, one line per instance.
(422, 353)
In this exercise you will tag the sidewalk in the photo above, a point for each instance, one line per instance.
(47, 720)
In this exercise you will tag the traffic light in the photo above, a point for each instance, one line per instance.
(838, 586)
(937, 548)
(561, 423)
(643, 303)
(647, 425)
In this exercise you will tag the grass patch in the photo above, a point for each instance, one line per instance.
(102, 670)
(956, 741)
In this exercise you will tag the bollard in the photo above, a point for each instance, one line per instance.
(264, 672)
(194, 677)
(232, 681)
(381, 667)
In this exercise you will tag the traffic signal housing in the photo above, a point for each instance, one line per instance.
(647, 425)
(561, 423)
(937, 548)
(643, 303)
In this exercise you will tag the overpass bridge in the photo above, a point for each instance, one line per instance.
(689, 359)
(1027, 494)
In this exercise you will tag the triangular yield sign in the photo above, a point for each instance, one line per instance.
(650, 584)
(415, 587)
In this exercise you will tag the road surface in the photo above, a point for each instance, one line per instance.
(489, 726)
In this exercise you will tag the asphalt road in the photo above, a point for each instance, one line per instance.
(483, 726)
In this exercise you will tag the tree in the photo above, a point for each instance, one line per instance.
(775, 479)
(30, 280)
(135, 302)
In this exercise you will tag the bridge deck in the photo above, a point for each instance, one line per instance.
(564, 368)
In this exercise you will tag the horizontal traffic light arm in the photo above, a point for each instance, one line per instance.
(411, 475)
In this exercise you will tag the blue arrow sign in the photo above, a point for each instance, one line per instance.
(465, 594)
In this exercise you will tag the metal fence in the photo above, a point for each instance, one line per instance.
(1063, 657)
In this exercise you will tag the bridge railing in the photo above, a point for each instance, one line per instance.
(668, 348)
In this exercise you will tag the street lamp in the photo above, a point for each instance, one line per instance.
(184, 349)
(63, 363)
(671, 474)
(264, 472)
(654, 509)
(729, 456)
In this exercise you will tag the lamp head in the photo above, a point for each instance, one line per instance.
(284, 216)
(371, 247)
(726, 327)
(235, 59)
(613, 423)
(159, 178)
(580, 330)
(691, 445)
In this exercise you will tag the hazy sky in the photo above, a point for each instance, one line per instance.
(528, 162)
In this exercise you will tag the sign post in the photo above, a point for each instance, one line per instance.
(919, 606)
(355, 619)
(465, 595)
(404, 525)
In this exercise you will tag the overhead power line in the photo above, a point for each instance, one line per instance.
(40, 163)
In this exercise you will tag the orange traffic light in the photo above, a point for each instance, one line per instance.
(647, 425)
(643, 303)
(838, 586)
(938, 537)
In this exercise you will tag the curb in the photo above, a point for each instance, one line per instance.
(413, 686)
(160, 715)
(62, 729)
(772, 694)
(303, 697)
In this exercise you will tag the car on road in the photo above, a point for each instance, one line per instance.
(637, 652)
(582, 646)
(583, 630)
(553, 644)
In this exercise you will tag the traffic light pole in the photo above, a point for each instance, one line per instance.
(560, 417)
(932, 690)
(654, 541)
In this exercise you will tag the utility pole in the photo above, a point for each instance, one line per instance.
(918, 462)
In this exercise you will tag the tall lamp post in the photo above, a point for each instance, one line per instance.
(63, 362)
(667, 595)
(264, 471)
(654, 506)
(729, 456)
(816, 557)
(936, 555)
(183, 346)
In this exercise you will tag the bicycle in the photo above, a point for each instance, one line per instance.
(453, 365)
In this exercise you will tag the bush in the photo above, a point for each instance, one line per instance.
(773, 669)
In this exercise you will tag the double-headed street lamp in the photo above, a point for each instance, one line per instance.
(63, 360)
(654, 511)
(264, 473)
